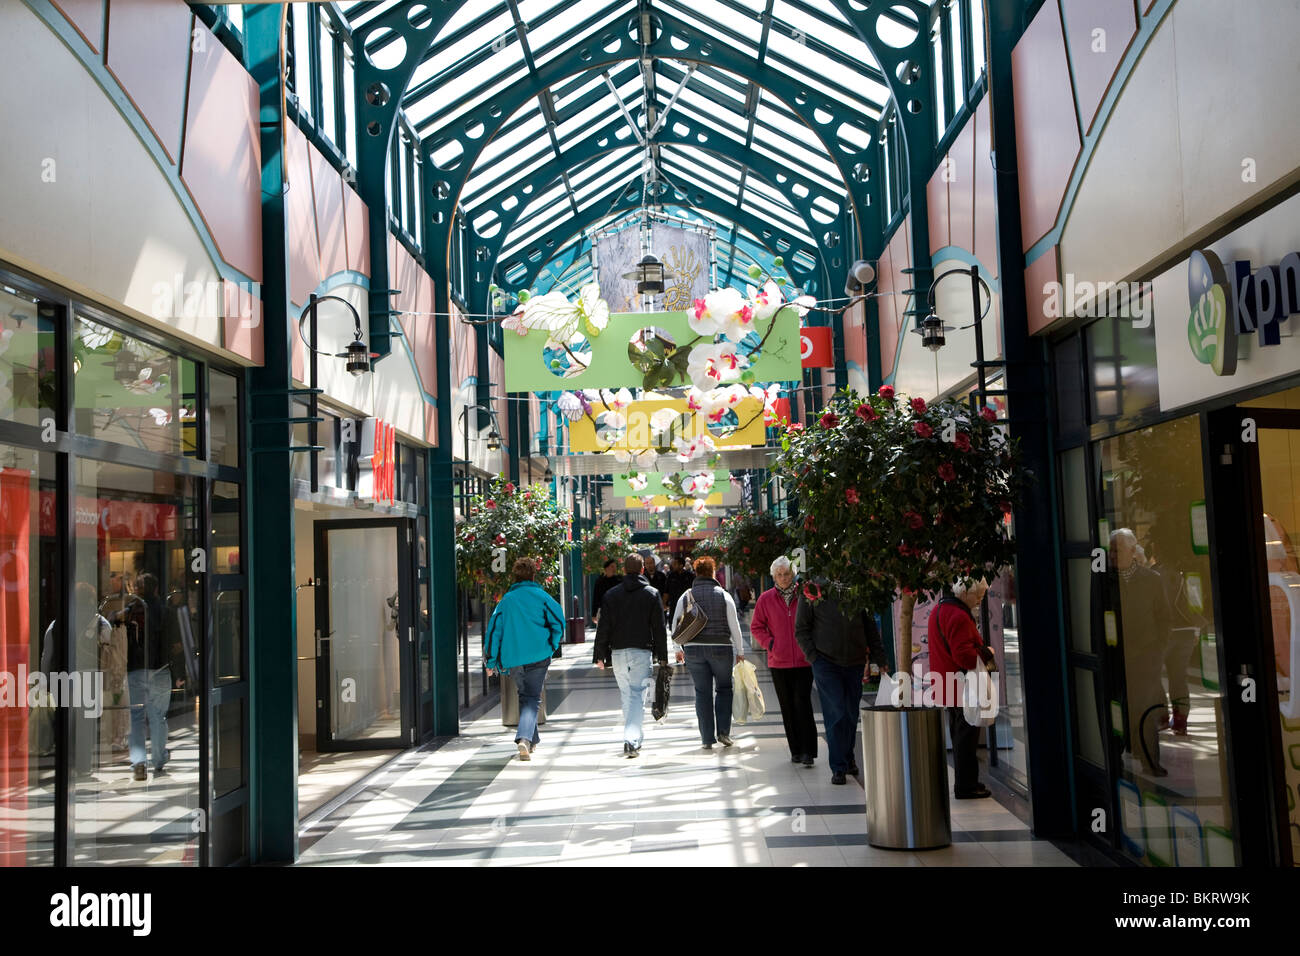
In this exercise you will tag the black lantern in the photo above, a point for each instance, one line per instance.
(650, 276)
(358, 356)
(127, 366)
(494, 440)
(932, 332)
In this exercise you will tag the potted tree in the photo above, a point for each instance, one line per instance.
(897, 499)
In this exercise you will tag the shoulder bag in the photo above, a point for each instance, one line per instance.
(693, 621)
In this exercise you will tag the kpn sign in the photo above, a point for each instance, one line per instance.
(1227, 317)
(1228, 303)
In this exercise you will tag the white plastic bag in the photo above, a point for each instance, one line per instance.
(746, 699)
(979, 696)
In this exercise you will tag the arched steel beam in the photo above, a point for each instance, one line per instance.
(554, 243)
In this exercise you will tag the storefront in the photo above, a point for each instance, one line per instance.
(1179, 481)
(123, 664)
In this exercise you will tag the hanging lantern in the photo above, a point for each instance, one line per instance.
(650, 275)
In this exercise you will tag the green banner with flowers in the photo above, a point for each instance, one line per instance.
(648, 350)
(676, 484)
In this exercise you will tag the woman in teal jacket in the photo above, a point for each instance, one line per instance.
(525, 630)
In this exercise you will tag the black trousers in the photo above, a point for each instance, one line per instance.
(794, 694)
(965, 743)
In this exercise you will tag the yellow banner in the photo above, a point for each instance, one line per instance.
(674, 503)
(640, 429)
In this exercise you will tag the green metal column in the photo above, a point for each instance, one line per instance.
(1030, 407)
(442, 525)
(273, 650)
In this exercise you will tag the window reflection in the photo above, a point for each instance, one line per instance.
(28, 393)
(1157, 629)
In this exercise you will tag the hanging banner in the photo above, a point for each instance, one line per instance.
(637, 427)
(817, 347)
(616, 255)
(654, 481)
(604, 362)
(688, 256)
(668, 502)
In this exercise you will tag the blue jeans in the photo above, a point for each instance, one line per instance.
(711, 664)
(632, 670)
(529, 679)
(840, 690)
(151, 695)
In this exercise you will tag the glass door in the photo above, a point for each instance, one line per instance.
(1279, 524)
(365, 635)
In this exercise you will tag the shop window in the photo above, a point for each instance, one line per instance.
(1122, 379)
(28, 639)
(228, 637)
(223, 418)
(225, 528)
(28, 390)
(1080, 574)
(1071, 399)
(228, 748)
(1074, 495)
(134, 551)
(1158, 619)
(132, 392)
(1087, 718)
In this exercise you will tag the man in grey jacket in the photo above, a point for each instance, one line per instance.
(838, 649)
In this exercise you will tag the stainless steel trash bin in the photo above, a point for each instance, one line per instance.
(510, 704)
(906, 778)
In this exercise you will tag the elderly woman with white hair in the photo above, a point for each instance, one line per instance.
(773, 628)
(956, 647)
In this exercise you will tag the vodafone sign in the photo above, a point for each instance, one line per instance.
(816, 347)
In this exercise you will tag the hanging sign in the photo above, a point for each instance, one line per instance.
(381, 438)
(817, 347)
(640, 426)
(533, 365)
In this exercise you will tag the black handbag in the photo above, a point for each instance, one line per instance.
(693, 621)
(663, 682)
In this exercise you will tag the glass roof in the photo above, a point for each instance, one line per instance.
(572, 143)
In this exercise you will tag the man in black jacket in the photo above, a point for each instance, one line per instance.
(606, 583)
(630, 631)
(838, 649)
(677, 582)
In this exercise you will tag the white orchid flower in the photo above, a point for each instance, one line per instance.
(514, 323)
(713, 365)
(160, 416)
(621, 399)
(647, 501)
(701, 319)
(615, 421)
(803, 304)
(554, 314)
(663, 420)
(594, 310)
(570, 406)
(765, 302)
(700, 507)
(638, 482)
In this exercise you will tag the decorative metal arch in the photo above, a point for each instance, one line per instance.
(379, 93)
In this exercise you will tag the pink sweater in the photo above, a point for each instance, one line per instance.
(773, 628)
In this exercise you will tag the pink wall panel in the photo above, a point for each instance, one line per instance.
(855, 336)
(936, 204)
(1095, 58)
(149, 54)
(887, 312)
(86, 17)
(431, 425)
(356, 220)
(298, 357)
(222, 163)
(986, 209)
(961, 191)
(300, 216)
(327, 190)
(416, 297)
(1047, 134)
(243, 323)
(1040, 272)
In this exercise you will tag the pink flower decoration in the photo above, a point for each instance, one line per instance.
(489, 503)
(866, 412)
(510, 488)
(947, 472)
(913, 519)
(887, 391)
(829, 420)
(918, 406)
(962, 441)
(923, 430)
(988, 414)
(851, 496)
(700, 308)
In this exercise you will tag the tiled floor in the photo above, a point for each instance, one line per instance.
(579, 801)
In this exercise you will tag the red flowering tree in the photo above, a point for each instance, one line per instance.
(753, 542)
(605, 541)
(900, 497)
(507, 523)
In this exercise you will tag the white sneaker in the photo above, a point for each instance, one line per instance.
(525, 751)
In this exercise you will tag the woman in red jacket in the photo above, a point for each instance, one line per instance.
(773, 628)
(956, 647)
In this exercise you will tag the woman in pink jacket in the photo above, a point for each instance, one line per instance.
(773, 628)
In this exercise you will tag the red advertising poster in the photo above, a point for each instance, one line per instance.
(817, 347)
(15, 631)
(103, 517)
(383, 463)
